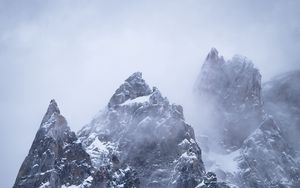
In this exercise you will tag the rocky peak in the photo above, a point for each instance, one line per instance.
(52, 109)
(53, 123)
(231, 82)
(146, 133)
(55, 157)
(213, 57)
(156, 97)
(233, 89)
(134, 86)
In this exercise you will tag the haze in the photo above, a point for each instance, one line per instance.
(79, 52)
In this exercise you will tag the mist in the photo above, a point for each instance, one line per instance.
(79, 52)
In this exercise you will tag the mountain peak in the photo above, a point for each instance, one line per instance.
(135, 76)
(56, 158)
(52, 108)
(54, 124)
(213, 56)
(133, 87)
(213, 52)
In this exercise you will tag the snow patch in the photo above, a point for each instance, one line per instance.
(141, 99)
(225, 162)
(71, 186)
(98, 146)
(45, 185)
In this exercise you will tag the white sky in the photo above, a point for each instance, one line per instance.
(79, 52)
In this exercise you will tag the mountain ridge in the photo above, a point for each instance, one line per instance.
(141, 139)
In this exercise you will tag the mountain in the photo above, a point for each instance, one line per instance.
(142, 130)
(140, 139)
(56, 158)
(233, 89)
(282, 101)
(260, 146)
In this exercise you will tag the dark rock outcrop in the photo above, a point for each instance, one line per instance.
(56, 157)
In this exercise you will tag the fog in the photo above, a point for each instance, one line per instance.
(79, 52)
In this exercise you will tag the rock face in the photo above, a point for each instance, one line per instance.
(56, 157)
(140, 129)
(281, 98)
(267, 160)
(233, 88)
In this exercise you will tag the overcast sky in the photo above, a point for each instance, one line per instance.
(79, 52)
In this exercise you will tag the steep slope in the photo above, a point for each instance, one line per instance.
(281, 97)
(261, 153)
(267, 160)
(56, 157)
(140, 129)
(233, 89)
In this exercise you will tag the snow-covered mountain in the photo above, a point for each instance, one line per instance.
(141, 129)
(233, 88)
(142, 140)
(262, 155)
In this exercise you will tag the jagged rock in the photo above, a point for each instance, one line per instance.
(147, 134)
(261, 156)
(210, 181)
(56, 157)
(133, 87)
(267, 160)
(233, 88)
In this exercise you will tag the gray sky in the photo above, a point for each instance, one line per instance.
(79, 52)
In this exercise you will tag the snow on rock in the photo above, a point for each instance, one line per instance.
(225, 162)
(45, 185)
(142, 99)
(150, 136)
(266, 159)
(133, 87)
(139, 140)
(255, 150)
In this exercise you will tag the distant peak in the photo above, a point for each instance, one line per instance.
(135, 76)
(52, 108)
(213, 52)
(213, 56)
(134, 86)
